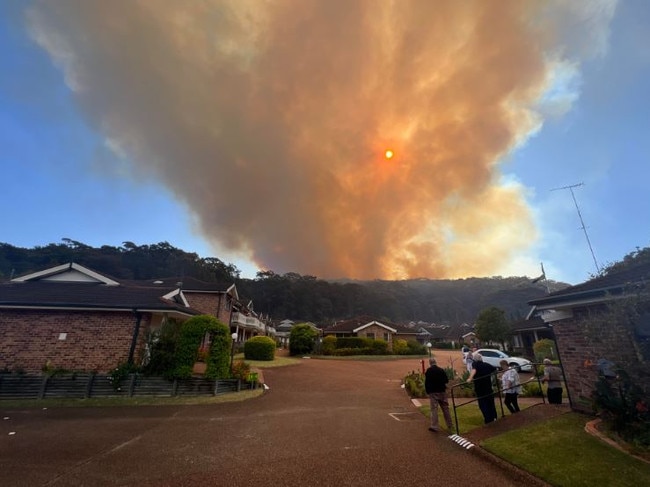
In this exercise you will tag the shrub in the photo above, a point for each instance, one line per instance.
(302, 339)
(531, 389)
(462, 388)
(624, 407)
(240, 370)
(414, 384)
(379, 347)
(400, 347)
(121, 372)
(351, 342)
(259, 348)
(464, 376)
(451, 373)
(416, 348)
(328, 345)
(190, 337)
(161, 345)
(187, 347)
(344, 352)
(218, 361)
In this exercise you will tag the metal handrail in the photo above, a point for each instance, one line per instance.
(499, 391)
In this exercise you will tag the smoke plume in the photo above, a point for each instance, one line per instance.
(270, 120)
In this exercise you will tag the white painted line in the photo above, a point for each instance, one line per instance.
(462, 441)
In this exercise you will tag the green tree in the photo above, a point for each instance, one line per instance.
(302, 339)
(492, 326)
(544, 348)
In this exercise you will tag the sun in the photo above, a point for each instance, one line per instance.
(389, 154)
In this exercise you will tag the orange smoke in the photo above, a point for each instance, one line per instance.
(270, 121)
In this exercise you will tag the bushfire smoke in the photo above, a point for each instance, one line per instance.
(270, 120)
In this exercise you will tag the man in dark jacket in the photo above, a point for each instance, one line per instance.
(435, 385)
(482, 376)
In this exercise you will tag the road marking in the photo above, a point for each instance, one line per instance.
(405, 416)
(462, 441)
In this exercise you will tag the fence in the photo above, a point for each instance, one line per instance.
(81, 386)
(536, 378)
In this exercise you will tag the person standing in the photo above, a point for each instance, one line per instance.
(553, 378)
(435, 385)
(510, 386)
(467, 358)
(481, 375)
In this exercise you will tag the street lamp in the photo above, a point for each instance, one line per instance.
(429, 347)
(232, 350)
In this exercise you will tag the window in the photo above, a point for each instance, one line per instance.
(386, 337)
(370, 335)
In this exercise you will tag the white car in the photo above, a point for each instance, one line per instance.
(493, 357)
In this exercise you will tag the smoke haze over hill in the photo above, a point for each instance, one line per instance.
(270, 120)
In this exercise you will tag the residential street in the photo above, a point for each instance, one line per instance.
(322, 423)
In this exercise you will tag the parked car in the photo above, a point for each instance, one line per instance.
(493, 357)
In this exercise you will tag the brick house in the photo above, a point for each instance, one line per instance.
(219, 300)
(368, 327)
(528, 331)
(74, 318)
(590, 334)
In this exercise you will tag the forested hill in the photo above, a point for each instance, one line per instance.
(292, 295)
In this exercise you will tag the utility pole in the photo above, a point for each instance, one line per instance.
(584, 229)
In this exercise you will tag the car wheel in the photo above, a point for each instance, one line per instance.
(516, 366)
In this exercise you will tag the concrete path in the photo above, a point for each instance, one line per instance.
(321, 423)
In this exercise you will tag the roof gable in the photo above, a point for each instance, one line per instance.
(374, 323)
(67, 273)
(355, 325)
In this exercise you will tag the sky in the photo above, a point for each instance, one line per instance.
(257, 132)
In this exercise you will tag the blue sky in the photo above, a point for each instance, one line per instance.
(61, 180)
(50, 184)
(602, 142)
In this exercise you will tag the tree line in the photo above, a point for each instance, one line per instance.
(291, 295)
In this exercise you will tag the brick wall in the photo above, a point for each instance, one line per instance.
(586, 339)
(378, 332)
(93, 340)
(211, 304)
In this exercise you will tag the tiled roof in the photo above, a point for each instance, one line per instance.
(446, 332)
(612, 283)
(532, 324)
(348, 326)
(87, 295)
(188, 284)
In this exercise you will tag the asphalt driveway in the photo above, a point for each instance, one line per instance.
(321, 423)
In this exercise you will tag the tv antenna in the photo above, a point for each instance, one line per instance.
(584, 229)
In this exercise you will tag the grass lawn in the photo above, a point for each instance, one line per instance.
(558, 451)
(562, 453)
(265, 364)
(469, 415)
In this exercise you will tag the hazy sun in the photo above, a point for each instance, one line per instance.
(389, 154)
